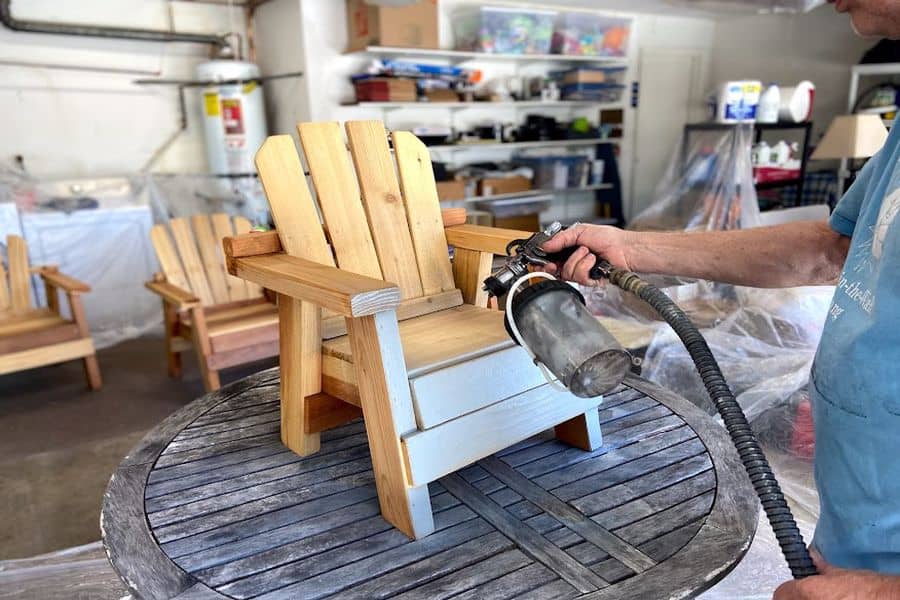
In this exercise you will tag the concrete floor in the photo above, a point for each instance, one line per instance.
(59, 442)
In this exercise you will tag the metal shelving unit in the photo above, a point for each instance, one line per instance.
(510, 104)
(857, 72)
(541, 192)
(608, 195)
(572, 143)
(460, 56)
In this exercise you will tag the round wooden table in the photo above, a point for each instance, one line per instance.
(210, 505)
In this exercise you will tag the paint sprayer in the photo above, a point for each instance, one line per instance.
(550, 320)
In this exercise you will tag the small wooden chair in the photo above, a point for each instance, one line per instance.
(227, 320)
(33, 337)
(438, 379)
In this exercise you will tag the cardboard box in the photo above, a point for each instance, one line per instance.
(493, 186)
(451, 190)
(386, 89)
(530, 222)
(442, 96)
(479, 217)
(413, 26)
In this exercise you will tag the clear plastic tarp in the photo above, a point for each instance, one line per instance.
(764, 340)
(708, 184)
(80, 572)
(98, 231)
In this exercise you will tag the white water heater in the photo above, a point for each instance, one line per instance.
(234, 115)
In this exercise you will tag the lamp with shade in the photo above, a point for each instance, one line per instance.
(851, 137)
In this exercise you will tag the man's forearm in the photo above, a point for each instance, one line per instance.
(802, 253)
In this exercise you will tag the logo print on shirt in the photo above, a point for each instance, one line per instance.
(890, 207)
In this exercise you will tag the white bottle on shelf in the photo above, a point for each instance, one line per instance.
(781, 153)
(769, 103)
(761, 154)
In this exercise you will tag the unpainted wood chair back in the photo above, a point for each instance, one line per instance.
(196, 263)
(381, 211)
(15, 277)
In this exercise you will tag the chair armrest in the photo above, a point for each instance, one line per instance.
(343, 292)
(483, 239)
(58, 280)
(179, 298)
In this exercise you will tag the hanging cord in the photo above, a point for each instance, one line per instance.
(510, 318)
(761, 476)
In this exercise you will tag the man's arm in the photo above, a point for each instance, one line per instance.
(802, 253)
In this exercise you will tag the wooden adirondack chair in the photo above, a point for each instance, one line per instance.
(227, 320)
(439, 381)
(33, 337)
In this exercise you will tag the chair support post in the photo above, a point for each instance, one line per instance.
(300, 344)
(388, 412)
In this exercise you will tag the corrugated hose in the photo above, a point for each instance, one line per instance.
(751, 454)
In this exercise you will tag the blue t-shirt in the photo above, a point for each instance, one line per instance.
(855, 384)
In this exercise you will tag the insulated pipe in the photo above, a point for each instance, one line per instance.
(148, 35)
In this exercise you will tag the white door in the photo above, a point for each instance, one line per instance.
(672, 94)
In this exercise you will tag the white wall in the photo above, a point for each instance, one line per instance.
(71, 123)
(819, 46)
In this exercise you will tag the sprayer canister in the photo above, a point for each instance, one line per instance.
(554, 322)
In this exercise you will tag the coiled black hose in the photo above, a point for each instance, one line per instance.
(779, 514)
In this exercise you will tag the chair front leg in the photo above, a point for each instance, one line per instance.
(171, 326)
(91, 366)
(300, 349)
(388, 413)
(204, 349)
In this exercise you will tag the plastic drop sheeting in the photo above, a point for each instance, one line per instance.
(71, 574)
(708, 184)
(98, 231)
(764, 340)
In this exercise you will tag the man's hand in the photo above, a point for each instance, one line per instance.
(834, 583)
(608, 242)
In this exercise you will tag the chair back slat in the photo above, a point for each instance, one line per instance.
(339, 198)
(4, 289)
(423, 211)
(19, 276)
(251, 290)
(384, 205)
(168, 257)
(212, 257)
(293, 210)
(222, 228)
(190, 260)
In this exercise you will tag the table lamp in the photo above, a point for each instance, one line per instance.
(851, 137)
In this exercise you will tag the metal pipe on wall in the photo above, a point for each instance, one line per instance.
(148, 35)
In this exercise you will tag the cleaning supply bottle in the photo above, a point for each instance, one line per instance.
(781, 153)
(761, 154)
(769, 103)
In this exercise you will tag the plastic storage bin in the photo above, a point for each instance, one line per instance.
(504, 30)
(587, 34)
(607, 75)
(558, 172)
(592, 92)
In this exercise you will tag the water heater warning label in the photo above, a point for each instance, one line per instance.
(232, 116)
(211, 104)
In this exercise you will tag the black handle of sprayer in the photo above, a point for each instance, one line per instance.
(598, 271)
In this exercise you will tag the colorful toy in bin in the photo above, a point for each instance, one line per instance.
(587, 34)
(499, 30)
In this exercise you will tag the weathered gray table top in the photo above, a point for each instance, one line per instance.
(211, 505)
